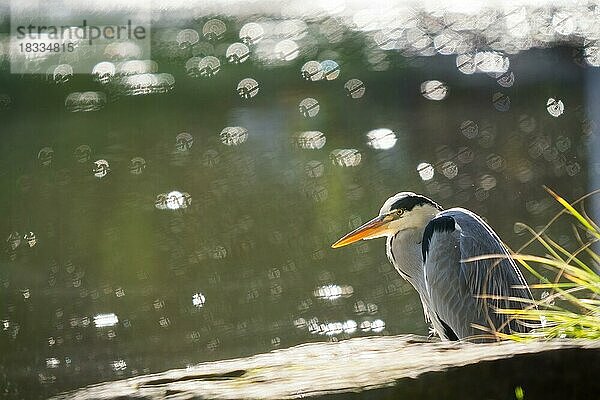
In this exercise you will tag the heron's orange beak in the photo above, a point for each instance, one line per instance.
(366, 231)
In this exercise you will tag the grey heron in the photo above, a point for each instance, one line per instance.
(430, 248)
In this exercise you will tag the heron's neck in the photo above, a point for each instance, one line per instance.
(404, 252)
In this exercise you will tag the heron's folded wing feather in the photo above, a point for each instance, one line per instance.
(466, 293)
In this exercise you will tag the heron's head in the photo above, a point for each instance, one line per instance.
(405, 210)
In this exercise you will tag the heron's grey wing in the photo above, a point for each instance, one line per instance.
(456, 287)
(451, 303)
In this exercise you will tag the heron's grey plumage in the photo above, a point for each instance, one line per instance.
(429, 247)
(457, 289)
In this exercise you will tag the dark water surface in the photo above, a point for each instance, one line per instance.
(246, 265)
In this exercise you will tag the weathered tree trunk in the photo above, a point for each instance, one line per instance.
(393, 367)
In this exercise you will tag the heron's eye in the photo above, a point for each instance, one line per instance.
(393, 214)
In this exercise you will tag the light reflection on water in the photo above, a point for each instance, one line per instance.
(111, 270)
(104, 320)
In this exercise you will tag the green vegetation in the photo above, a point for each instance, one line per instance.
(570, 304)
(519, 393)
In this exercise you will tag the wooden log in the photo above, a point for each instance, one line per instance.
(393, 367)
